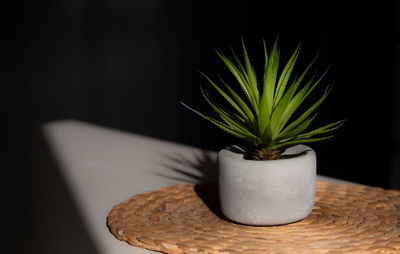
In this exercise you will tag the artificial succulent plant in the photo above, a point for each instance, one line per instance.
(262, 111)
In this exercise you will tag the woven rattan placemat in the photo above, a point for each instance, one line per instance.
(186, 219)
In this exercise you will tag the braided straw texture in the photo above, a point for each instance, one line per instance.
(186, 219)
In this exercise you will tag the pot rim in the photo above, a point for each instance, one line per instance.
(303, 151)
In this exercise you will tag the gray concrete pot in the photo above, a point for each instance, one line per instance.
(267, 192)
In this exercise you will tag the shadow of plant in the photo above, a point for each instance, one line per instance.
(201, 168)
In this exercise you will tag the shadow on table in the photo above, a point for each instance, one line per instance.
(205, 172)
(56, 224)
(209, 194)
(203, 168)
(41, 216)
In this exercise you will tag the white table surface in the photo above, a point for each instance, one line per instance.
(103, 166)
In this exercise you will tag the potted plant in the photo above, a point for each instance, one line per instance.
(271, 179)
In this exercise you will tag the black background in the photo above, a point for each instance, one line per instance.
(127, 64)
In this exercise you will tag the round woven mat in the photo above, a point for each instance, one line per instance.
(186, 219)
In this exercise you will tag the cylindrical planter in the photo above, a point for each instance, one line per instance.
(267, 192)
